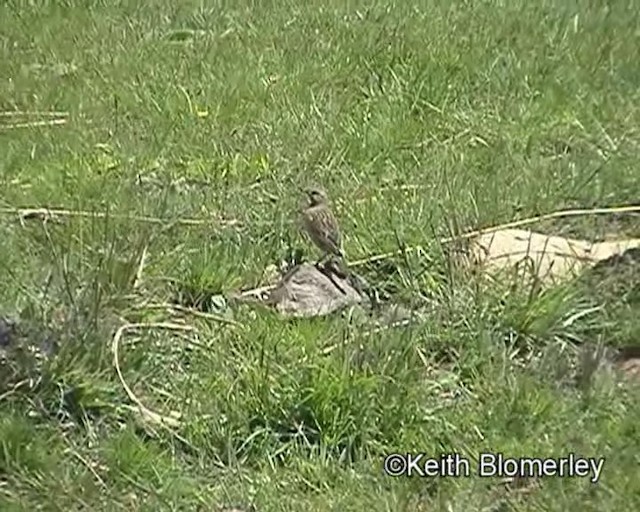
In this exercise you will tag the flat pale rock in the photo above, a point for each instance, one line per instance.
(549, 258)
(306, 291)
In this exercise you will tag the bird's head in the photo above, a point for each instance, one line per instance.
(316, 196)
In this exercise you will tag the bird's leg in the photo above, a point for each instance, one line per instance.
(321, 260)
(340, 267)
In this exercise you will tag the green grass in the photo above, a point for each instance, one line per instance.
(419, 117)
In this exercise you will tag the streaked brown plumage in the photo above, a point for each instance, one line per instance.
(321, 225)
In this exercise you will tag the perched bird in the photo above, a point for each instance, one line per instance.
(8, 331)
(321, 225)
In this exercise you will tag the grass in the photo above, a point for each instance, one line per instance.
(419, 117)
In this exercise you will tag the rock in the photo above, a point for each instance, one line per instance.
(550, 259)
(307, 291)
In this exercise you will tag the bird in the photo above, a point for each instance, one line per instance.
(321, 225)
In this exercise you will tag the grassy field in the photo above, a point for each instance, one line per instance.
(420, 118)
